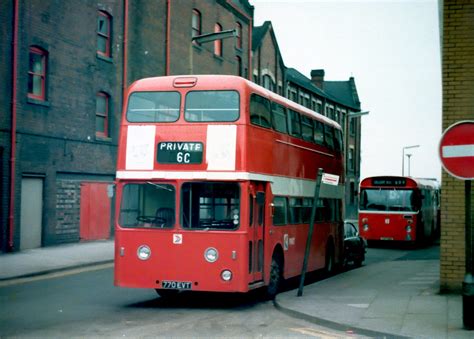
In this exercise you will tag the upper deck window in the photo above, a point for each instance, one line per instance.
(212, 106)
(279, 118)
(260, 111)
(153, 107)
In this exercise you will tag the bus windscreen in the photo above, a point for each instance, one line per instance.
(388, 200)
(210, 205)
(153, 107)
(212, 106)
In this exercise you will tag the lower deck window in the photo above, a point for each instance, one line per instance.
(210, 205)
(148, 205)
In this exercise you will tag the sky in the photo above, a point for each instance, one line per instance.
(392, 49)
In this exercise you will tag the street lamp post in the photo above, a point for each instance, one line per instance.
(409, 156)
(403, 157)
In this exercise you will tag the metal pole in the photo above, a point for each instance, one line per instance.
(468, 283)
(310, 231)
(403, 161)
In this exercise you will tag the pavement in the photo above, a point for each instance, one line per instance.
(392, 299)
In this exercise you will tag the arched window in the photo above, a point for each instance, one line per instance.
(37, 73)
(218, 43)
(196, 25)
(104, 34)
(102, 114)
(239, 35)
(268, 82)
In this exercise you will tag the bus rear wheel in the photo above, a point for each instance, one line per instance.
(276, 277)
(329, 267)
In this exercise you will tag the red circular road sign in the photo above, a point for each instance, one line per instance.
(456, 150)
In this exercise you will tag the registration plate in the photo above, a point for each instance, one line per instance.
(176, 285)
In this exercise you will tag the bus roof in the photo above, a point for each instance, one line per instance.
(211, 81)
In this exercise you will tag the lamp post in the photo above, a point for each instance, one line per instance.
(408, 156)
(209, 37)
(403, 157)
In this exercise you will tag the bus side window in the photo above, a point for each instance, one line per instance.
(295, 124)
(279, 118)
(280, 211)
(319, 132)
(338, 140)
(329, 136)
(307, 128)
(260, 112)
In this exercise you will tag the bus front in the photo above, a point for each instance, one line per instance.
(389, 209)
(179, 192)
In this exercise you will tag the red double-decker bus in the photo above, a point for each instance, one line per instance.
(215, 184)
(399, 209)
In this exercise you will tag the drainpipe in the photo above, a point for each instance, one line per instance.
(11, 217)
(168, 32)
(125, 47)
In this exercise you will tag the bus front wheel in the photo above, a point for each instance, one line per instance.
(276, 277)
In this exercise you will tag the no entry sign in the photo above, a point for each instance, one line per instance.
(456, 150)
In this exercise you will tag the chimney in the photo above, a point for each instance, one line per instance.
(317, 78)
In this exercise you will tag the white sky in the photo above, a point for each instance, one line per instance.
(392, 48)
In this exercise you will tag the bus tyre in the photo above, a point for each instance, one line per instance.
(166, 293)
(274, 283)
(329, 267)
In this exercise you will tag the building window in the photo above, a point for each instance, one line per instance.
(268, 82)
(104, 34)
(353, 123)
(239, 35)
(239, 65)
(196, 24)
(218, 42)
(37, 74)
(102, 115)
(351, 160)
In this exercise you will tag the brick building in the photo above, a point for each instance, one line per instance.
(458, 104)
(62, 95)
(334, 99)
(68, 64)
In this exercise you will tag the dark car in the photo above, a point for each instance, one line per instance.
(355, 246)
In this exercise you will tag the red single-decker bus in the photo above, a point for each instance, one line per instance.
(398, 208)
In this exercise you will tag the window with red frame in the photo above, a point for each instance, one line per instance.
(102, 114)
(104, 34)
(239, 36)
(218, 43)
(196, 24)
(37, 74)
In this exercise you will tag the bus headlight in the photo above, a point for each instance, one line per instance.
(143, 252)
(211, 254)
(366, 227)
(408, 228)
(226, 275)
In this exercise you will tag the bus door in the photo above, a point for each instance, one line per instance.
(256, 229)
